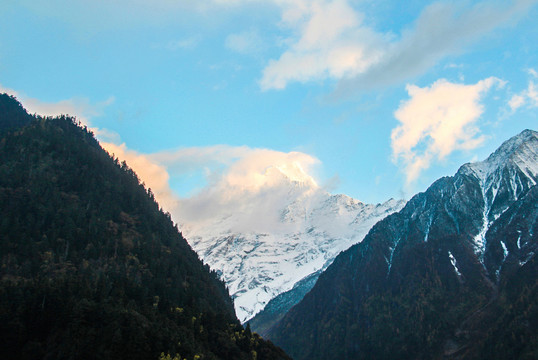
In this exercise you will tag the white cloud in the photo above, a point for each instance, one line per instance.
(528, 97)
(436, 121)
(516, 102)
(325, 39)
(332, 41)
(250, 183)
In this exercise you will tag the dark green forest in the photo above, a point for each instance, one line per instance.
(91, 267)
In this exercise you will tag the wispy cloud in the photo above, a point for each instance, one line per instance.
(80, 107)
(436, 121)
(517, 101)
(528, 97)
(185, 43)
(246, 42)
(334, 42)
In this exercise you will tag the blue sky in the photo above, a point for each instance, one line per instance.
(370, 99)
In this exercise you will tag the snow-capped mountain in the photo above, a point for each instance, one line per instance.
(451, 275)
(309, 228)
(503, 177)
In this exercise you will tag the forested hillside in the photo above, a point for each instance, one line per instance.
(90, 267)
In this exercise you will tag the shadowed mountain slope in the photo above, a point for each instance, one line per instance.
(90, 267)
(452, 275)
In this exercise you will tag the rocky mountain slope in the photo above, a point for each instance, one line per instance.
(312, 227)
(452, 275)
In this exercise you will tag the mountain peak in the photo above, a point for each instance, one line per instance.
(294, 236)
(464, 249)
(12, 114)
(520, 151)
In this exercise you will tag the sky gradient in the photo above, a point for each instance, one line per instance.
(371, 99)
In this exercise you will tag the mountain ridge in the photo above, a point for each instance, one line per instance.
(313, 227)
(429, 280)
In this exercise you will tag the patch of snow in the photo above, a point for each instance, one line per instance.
(430, 220)
(453, 262)
(392, 250)
(479, 240)
(505, 250)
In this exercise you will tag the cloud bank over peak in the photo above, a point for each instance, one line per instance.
(248, 185)
(252, 184)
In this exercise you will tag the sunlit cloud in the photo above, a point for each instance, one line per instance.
(436, 121)
(249, 183)
(154, 175)
(332, 41)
